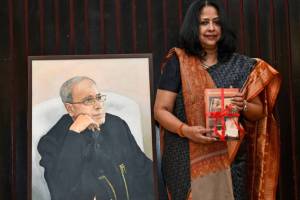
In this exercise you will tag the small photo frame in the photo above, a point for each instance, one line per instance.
(213, 106)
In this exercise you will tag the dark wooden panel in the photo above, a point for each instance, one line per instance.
(265, 33)
(173, 23)
(133, 19)
(34, 27)
(72, 26)
(64, 27)
(273, 33)
(80, 46)
(141, 27)
(94, 27)
(286, 171)
(165, 23)
(235, 22)
(6, 63)
(250, 33)
(87, 39)
(4, 33)
(180, 12)
(110, 29)
(294, 15)
(19, 102)
(157, 38)
(5, 142)
(126, 27)
(118, 25)
(242, 27)
(41, 25)
(291, 99)
(25, 12)
(257, 29)
(49, 27)
(149, 24)
(102, 26)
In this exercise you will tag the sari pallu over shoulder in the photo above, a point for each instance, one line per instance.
(264, 146)
(210, 166)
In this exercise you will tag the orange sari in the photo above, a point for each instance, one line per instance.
(264, 147)
(210, 163)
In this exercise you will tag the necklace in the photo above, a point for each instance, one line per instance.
(204, 65)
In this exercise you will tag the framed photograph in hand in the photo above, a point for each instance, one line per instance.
(90, 127)
(221, 115)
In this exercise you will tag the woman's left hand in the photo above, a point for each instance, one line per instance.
(238, 101)
(252, 110)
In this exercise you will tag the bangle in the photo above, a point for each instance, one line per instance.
(245, 108)
(180, 132)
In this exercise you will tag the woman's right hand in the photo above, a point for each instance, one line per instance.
(198, 134)
(163, 107)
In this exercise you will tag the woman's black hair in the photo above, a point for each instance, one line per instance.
(189, 32)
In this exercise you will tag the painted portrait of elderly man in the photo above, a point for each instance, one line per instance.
(91, 128)
(90, 154)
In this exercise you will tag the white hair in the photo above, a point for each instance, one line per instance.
(66, 88)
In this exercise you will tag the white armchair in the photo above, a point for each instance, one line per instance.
(46, 114)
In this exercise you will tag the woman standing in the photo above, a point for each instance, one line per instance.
(198, 166)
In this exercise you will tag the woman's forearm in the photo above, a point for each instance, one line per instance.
(254, 110)
(163, 108)
(167, 120)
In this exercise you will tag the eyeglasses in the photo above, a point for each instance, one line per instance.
(90, 100)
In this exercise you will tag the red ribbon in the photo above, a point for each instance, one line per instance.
(225, 112)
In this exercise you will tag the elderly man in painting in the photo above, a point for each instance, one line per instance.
(89, 154)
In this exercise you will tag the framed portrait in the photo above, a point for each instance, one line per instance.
(120, 87)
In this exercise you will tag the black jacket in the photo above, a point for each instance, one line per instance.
(108, 164)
